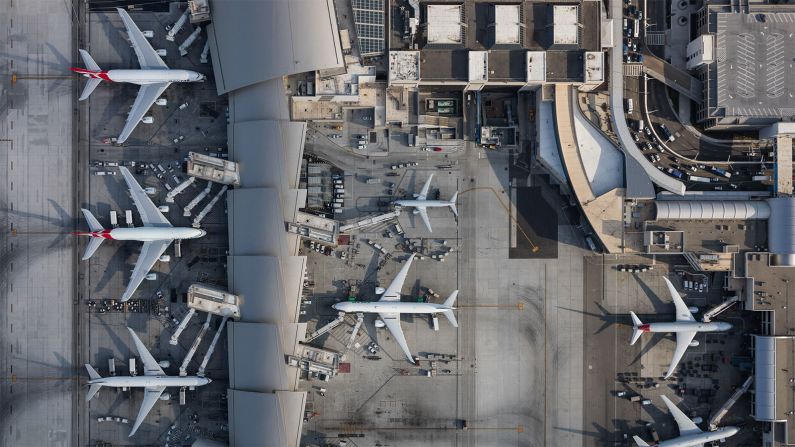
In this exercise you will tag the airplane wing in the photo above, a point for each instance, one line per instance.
(682, 311)
(392, 322)
(151, 367)
(151, 395)
(683, 339)
(150, 253)
(392, 292)
(686, 426)
(147, 56)
(147, 95)
(427, 186)
(423, 212)
(150, 215)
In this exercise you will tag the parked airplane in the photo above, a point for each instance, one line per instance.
(689, 433)
(156, 234)
(685, 327)
(154, 76)
(154, 381)
(389, 308)
(420, 203)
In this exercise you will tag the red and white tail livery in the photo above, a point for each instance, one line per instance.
(157, 233)
(154, 76)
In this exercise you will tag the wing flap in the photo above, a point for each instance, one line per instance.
(147, 95)
(425, 188)
(686, 426)
(151, 395)
(423, 212)
(682, 311)
(150, 215)
(392, 322)
(151, 367)
(683, 339)
(147, 56)
(392, 292)
(150, 253)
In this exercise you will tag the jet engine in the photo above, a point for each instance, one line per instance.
(694, 343)
(380, 290)
(379, 323)
(165, 396)
(693, 309)
(415, 212)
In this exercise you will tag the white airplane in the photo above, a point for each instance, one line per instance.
(685, 327)
(389, 308)
(154, 76)
(154, 381)
(420, 203)
(156, 234)
(689, 433)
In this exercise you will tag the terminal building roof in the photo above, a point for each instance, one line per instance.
(258, 40)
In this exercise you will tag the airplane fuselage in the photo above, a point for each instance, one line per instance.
(685, 326)
(147, 233)
(422, 203)
(150, 381)
(390, 307)
(699, 439)
(143, 76)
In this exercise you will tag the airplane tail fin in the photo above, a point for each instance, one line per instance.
(94, 388)
(640, 442)
(92, 82)
(94, 242)
(452, 204)
(636, 331)
(450, 302)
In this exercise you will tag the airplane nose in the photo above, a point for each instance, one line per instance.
(202, 233)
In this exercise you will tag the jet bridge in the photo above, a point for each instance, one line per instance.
(213, 169)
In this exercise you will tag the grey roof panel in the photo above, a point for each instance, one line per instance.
(253, 41)
(258, 282)
(264, 101)
(269, 153)
(255, 419)
(256, 227)
(256, 357)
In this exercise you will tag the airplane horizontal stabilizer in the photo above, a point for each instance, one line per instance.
(91, 84)
(92, 373)
(92, 221)
(450, 301)
(93, 245)
(451, 317)
(640, 442)
(89, 61)
(452, 204)
(636, 332)
(92, 390)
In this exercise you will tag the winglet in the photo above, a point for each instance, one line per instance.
(636, 331)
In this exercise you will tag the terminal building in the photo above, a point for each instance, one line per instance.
(253, 45)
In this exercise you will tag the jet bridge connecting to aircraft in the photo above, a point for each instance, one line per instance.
(213, 301)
